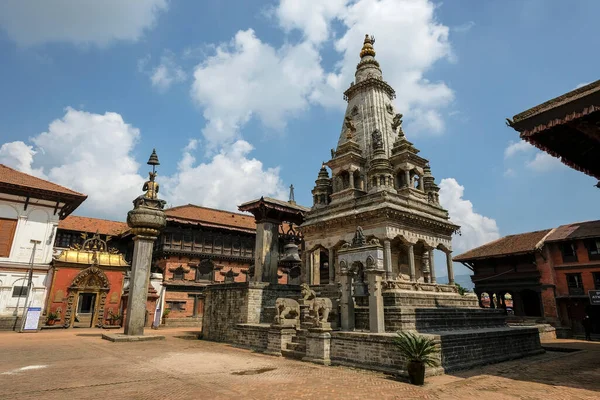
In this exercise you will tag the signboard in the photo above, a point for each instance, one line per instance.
(594, 297)
(32, 319)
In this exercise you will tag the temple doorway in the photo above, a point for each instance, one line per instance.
(86, 306)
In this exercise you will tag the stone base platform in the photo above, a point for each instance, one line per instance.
(120, 337)
(423, 298)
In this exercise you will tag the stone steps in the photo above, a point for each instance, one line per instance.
(297, 355)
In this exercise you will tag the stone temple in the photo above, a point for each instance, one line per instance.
(366, 255)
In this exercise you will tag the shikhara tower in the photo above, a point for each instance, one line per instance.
(380, 183)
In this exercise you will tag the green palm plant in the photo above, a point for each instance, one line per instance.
(416, 348)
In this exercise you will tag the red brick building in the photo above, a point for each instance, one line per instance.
(87, 272)
(547, 273)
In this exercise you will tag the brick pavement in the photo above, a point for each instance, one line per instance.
(77, 364)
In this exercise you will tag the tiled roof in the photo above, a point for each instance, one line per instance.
(559, 101)
(92, 225)
(512, 244)
(578, 230)
(9, 176)
(211, 216)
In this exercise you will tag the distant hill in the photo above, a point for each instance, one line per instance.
(462, 280)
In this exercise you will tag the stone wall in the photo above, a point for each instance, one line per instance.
(252, 336)
(399, 298)
(441, 319)
(458, 350)
(227, 305)
(191, 322)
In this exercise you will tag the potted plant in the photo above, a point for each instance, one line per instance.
(166, 314)
(52, 317)
(115, 318)
(418, 351)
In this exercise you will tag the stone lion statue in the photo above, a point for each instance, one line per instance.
(287, 309)
(307, 293)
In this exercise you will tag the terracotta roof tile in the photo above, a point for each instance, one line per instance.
(512, 244)
(211, 216)
(93, 225)
(578, 230)
(13, 177)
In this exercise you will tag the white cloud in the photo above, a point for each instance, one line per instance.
(19, 156)
(517, 147)
(229, 179)
(543, 162)
(33, 22)
(462, 28)
(167, 73)
(509, 172)
(312, 17)
(409, 42)
(476, 229)
(79, 152)
(247, 78)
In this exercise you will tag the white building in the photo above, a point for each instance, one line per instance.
(30, 209)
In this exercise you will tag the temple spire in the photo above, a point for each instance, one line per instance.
(367, 49)
(292, 200)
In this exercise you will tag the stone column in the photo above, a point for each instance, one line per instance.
(347, 302)
(432, 265)
(331, 265)
(146, 220)
(376, 317)
(411, 262)
(421, 184)
(407, 178)
(387, 258)
(266, 253)
(305, 276)
(351, 177)
(450, 268)
(316, 265)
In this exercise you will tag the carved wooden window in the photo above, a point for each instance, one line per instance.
(218, 244)
(187, 240)
(64, 239)
(176, 305)
(7, 234)
(208, 245)
(178, 274)
(198, 241)
(204, 272)
(227, 239)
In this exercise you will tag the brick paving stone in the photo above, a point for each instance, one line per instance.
(77, 364)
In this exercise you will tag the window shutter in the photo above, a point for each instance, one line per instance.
(7, 233)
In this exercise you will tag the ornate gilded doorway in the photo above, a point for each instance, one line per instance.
(87, 298)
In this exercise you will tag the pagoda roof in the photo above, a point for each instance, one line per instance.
(566, 127)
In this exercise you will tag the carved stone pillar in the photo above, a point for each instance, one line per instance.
(387, 258)
(266, 254)
(351, 176)
(432, 265)
(411, 262)
(376, 316)
(406, 178)
(450, 268)
(425, 266)
(331, 265)
(346, 302)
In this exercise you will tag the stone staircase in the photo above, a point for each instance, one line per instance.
(297, 348)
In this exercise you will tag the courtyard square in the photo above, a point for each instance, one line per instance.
(78, 364)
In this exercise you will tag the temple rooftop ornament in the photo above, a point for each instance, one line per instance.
(367, 49)
(292, 200)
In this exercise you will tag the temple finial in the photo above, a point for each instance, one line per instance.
(292, 200)
(367, 49)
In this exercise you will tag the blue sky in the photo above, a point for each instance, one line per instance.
(242, 98)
